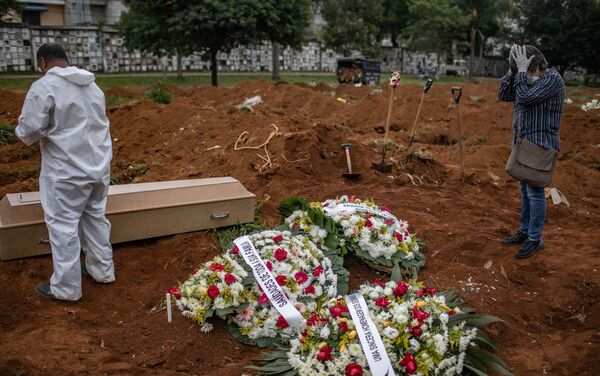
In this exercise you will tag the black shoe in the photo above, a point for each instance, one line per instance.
(529, 248)
(43, 289)
(517, 238)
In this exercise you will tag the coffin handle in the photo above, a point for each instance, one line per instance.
(220, 215)
(43, 241)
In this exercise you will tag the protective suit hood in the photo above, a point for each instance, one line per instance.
(75, 75)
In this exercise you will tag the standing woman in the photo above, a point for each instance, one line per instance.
(538, 93)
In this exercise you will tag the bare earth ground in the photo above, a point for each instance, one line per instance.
(550, 303)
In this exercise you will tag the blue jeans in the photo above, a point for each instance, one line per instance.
(533, 211)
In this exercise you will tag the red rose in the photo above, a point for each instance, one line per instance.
(343, 327)
(281, 280)
(280, 254)
(386, 208)
(401, 289)
(378, 282)
(235, 250)
(382, 302)
(263, 299)
(324, 354)
(452, 313)
(278, 238)
(335, 311)
(410, 363)
(309, 290)
(420, 315)
(318, 270)
(415, 331)
(216, 267)
(301, 277)
(389, 221)
(399, 237)
(174, 291)
(281, 322)
(269, 265)
(230, 278)
(368, 223)
(195, 271)
(213, 291)
(419, 293)
(312, 320)
(354, 369)
(352, 198)
(430, 290)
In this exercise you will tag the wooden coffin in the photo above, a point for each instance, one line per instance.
(136, 211)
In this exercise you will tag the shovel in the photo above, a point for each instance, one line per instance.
(456, 94)
(412, 133)
(382, 166)
(349, 174)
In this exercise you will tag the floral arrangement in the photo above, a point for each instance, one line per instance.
(226, 287)
(424, 333)
(347, 223)
(593, 105)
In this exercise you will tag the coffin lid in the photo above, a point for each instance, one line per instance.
(23, 208)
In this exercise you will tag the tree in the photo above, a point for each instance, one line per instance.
(7, 5)
(434, 25)
(148, 26)
(353, 25)
(284, 23)
(485, 20)
(566, 31)
(395, 19)
(217, 25)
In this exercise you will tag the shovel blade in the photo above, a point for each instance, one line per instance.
(351, 176)
(381, 167)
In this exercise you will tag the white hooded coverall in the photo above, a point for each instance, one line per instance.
(65, 112)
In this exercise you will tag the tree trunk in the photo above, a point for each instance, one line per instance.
(401, 56)
(320, 57)
(476, 70)
(471, 73)
(275, 54)
(394, 40)
(179, 67)
(214, 68)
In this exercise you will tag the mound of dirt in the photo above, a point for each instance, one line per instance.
(547, 303)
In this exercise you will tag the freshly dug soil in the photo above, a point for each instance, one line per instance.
(550, 303)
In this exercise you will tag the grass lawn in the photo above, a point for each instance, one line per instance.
(16, 82)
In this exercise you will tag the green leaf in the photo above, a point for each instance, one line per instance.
(396, 273)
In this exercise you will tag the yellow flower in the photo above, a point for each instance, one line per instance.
(421, 303)
(352, 335)
(386, 324)
(343, 347)
(343, 319)
(322, 344)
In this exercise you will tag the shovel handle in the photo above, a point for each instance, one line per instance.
(428, 85)
(348, 161)
(388, 119)
(456, 94)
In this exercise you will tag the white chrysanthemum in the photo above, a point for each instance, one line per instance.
(444, 318)
(325, 332)
(414, 344)
(390, 332)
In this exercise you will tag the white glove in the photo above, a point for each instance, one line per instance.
(395, 80)
(519, 55)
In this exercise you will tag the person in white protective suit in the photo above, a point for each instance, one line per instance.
(65, 111)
